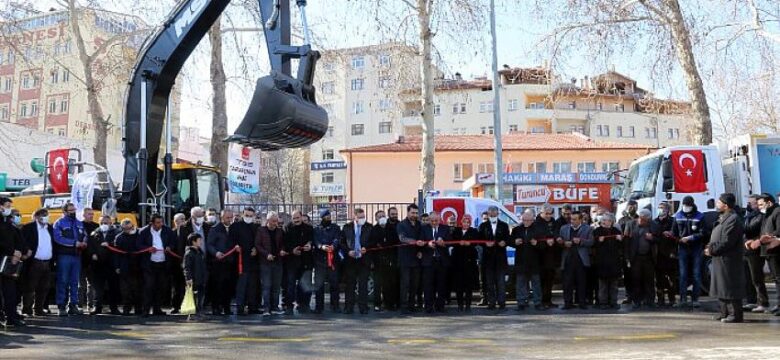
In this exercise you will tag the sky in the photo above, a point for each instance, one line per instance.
(348, 23)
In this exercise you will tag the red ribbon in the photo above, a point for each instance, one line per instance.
(149, 250)
(331, 264)
(235, 249)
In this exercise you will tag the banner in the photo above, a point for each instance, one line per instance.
(563, 194)
(688, 170)
(83, 191)
(769, 167)
(58, 170)
(243, 170)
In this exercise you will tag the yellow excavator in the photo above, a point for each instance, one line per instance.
(283, 113)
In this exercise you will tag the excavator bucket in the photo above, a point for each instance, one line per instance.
(283, 114)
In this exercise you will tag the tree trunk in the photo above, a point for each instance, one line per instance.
(95, 109)
(219, 148)
(428, 166)
(701, 132)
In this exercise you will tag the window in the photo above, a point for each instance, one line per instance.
(327, 178)
(8, 84)
(486, 168)
(619, 131)
(538, 130)
(630, 132)
(54, 76)
(516, 167)
(462, 108)
(486, 106)
(538, 167)
(385, 104)
(586, 167)
(610, 166)
(330, 131)
(599, 106)
(34, 108)
(61, 132)
(385, 127)
(385, 82)
(26, 81)
(459, 108)
(23, 110)
(513, 104)
(602, 130)
(674, 134)
(572, 105)
(357, 84)
(52, 106)
(328, 67)
(436, 110)
(36, 81)
(620, 108)
(65, 75)
(384, 60)
(358, 129)
(577, 129)
(651, 133)
(462, 171)
(4, 113)
(358, 62)
(327, 154)
(562, 167)
(328, 87)
(534, 105)
(512, 128)
(357, 107)
(486, 130)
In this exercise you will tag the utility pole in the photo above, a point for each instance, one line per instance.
(499, 170)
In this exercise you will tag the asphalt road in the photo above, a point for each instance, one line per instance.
(592, 334)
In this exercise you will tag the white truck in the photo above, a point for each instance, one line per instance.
(747, 164)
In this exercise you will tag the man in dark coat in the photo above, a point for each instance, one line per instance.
(409, 257)
(270, 246)
(327, 238)
(494, 261)
(666, 274)
(38, 236)
(224, 268)
(159, 239)
(550, 252)
(385, 260)
(628, 216)
(642, 236)
(464, 262)
(128, 268)
(102, 276)
(435, 234)
(727, 283)
(771, 228)
(753, 221)
(11, 245)
(524, 239)
(243, 233)
(689, 231)
(608, 245)
(576, 239)
(298, 241)
(356, 238)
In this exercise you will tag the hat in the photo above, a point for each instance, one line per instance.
(768, 197)
(324, 213)
(688, 201)
(729, 199)
(632, 202)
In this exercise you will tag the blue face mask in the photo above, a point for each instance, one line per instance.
(17, 220)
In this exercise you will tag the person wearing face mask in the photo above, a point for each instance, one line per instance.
(575, 238)
(223, 267)
(689, 230)
(608, 262)
(212, 217)
(327, 238)
(11, 246)
(102, 275)
(755, 262)
(270, 247)
(196, 224)
(629, 216)
(69, 240)
(641, 237)
(87, 289)
(385, 261)
(770, 228)
(494, 261)
(525, 241)
(175, 265)
(128, 268)
(666, 273)
(38, 236)
(243, 233)
(550, 252)
(727, 283)
(464, 263)
(298, 239)
(356, 238)
(436, 263)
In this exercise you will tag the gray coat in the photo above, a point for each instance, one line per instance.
(586, 236)
(728, 277)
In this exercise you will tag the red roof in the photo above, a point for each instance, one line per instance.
(519, 141)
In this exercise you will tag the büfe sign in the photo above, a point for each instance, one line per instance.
(563, 194)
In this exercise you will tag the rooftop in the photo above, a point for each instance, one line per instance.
(515, 141)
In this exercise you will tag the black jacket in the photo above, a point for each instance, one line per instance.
(348, 242)
(244, 235)
(127, 264)
(608, 257)
(184, 231)
(771, 226)
(297, 237)
(30, 236)
(527, 255)
(220, 241)
(439, 252)
(550, 254)
(104, 256)
(145, 240)
(494, 257)
(384, 237)
(726, 248)
(666, 247)
(409, 233)
(636, 234)
(753, 222)
(464, 256)
(10, 238)
(195, 266)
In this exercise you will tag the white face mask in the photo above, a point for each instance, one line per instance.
(212, 219)
(763, 210)
(382, 221)
(199, 220)
(249, 220)
(44, 220)
(361, 221)
(17, 220)
(687, 208)
(493, 219)
(6, 212)
(104, 227)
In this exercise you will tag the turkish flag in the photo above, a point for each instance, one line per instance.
(688, 170)
(450, 207)
(58, 170)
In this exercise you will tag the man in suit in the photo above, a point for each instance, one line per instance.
(270, 248)
(224, 267)
(159, 239)
(576, 239)
(243, 233)
(494, 262)
(102, 275)
(38, 236)
(298, 239)
(356, 238)
(640, 252)
(409, 257)
(435, 282)
(385, 260)
(327, 238)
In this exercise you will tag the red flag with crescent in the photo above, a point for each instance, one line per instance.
(450, 207)
(58, 170)
(688, 170)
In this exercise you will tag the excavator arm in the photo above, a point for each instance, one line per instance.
(282, 114)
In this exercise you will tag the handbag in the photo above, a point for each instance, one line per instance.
(188, 304)
(8, 268)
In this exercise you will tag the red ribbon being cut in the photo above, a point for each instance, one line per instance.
(236, 249)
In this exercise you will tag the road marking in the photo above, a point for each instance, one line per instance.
(471, 341)
(264, 340)
(411, 341)
(130, 334)
(639, 337)
(433, 341)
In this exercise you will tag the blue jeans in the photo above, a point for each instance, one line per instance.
(521, 288)
(68, 272)
(690, 255)
(271, 275)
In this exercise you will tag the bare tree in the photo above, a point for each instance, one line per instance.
(219, 148)
(282, 176)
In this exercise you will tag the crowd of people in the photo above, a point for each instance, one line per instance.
(233, 262)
